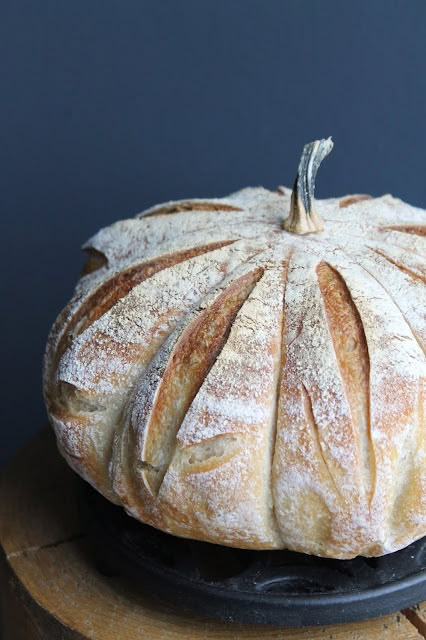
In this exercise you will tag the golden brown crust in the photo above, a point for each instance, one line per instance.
(190, 205)
(187, 366)
(349, 200)
(119, 285)
(350, 346)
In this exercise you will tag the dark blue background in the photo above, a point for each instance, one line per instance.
(108, 107)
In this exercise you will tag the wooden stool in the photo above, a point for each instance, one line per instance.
(50, 589)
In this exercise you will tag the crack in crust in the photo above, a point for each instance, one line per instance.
(401, 267)
(208, 454)
(351, 350)
(413, 229)
(188, 205)
(310, 419)
(119, 285)
(418, 339)
(348, 201)
(184, 372)
(95, 260)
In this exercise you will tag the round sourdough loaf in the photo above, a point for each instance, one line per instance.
(225, 379)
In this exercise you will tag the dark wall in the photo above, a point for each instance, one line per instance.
(108, 107)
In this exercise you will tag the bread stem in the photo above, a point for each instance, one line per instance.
(303, 217)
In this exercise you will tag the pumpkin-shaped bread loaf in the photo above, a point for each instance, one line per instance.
(250, 371)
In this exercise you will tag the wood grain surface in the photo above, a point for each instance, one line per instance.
(50, 589)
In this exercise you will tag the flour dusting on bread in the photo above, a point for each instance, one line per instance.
(226, 380)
